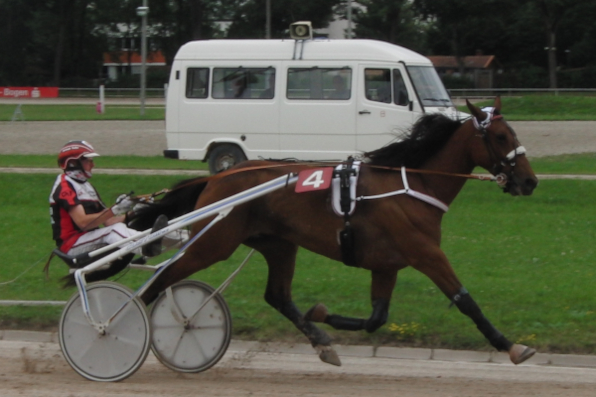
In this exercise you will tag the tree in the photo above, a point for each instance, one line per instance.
(16, 59)
(460, 27)
(392, 21)
(248, 20)
(552, 13)
(576, 37)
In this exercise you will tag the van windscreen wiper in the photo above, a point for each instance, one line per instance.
(436, 100)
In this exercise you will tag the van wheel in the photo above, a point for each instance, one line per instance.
(223, 157)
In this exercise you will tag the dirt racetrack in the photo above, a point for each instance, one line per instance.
(147, 138)
(39, 370)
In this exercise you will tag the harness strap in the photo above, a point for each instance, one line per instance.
(413, 193)
(344, 175)
(347, 174)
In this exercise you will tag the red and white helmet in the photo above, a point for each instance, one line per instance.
(74, 150)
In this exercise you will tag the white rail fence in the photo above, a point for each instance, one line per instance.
(492, 92)
(455, 92)
(31, 303)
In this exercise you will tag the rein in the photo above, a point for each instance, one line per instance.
(498, 178)
(403, 170)
(329, 164)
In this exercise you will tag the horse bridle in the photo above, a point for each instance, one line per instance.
(502, 179)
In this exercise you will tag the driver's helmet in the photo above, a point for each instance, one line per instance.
(74, 150)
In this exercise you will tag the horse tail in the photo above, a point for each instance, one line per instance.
(180, 200)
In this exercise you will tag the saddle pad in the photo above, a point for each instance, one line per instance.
(336, 189)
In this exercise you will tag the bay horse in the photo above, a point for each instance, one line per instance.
(390, 233)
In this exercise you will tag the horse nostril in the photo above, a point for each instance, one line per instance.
(531, 183)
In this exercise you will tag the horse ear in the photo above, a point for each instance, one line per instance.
(497, 104)
(475, 110)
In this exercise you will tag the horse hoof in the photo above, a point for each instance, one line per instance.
(317, 313)
(328, 355)
(520, 353)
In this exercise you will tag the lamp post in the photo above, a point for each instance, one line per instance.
(143, 12)
(349, 16)
(268, 19)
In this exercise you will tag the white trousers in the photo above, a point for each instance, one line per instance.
(98, 238)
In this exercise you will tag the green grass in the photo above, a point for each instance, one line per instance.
(584, 163)
(81, 112)
(527, 261)
(545, 107)
(126, 162)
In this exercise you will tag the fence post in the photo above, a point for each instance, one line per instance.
(101, 106)
(18, 113)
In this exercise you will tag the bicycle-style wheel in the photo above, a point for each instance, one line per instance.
(184, 340)
(114, 353)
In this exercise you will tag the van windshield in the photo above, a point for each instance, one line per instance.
(429, 86)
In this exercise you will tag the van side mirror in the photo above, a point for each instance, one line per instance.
(301, 30)
(411, 105)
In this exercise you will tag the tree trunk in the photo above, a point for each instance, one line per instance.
(552, 59)
(196, 15)
(61, 20)
(394, 17)
(58, 54)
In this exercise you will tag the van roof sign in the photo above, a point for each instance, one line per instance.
(315, 50)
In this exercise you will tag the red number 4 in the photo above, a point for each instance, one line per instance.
(314, 179)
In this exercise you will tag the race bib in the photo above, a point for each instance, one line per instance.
(314, 179)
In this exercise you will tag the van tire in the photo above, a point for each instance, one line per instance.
(225, 156)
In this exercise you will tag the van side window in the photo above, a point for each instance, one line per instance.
(243, 83)
(197, 83)
(400, 91)
(377, 85)
(319, 83)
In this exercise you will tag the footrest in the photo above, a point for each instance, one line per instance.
(73, 261)
(78, 261)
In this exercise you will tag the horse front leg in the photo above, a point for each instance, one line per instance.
(441, 273)
(281, 259)
(381, 289)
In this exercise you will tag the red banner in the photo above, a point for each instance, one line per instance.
(28, 92)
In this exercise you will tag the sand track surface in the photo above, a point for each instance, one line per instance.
(39, 370)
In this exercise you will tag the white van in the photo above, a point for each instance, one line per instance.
(231, 100)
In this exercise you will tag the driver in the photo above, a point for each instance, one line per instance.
(75, 207)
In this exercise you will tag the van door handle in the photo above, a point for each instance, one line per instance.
(364, 112)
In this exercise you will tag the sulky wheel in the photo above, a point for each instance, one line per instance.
(111, 354)
(184, 340)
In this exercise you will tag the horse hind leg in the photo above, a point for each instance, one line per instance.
(281, 258)
(381, 289)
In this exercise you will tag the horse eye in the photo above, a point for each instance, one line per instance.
(501, 138)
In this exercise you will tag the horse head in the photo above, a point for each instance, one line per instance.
(500, 152)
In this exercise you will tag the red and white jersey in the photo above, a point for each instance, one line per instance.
(67, 193)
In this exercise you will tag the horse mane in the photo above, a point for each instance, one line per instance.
(426, 137)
